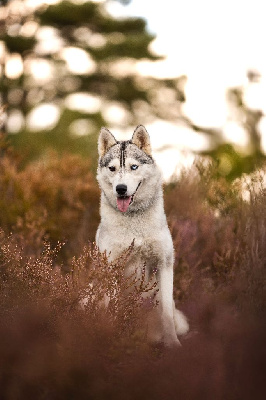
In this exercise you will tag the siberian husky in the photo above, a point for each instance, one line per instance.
(132, 209)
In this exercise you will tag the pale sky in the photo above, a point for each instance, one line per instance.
(214, 43)
(228, 36)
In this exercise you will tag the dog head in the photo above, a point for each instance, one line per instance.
(127, 173)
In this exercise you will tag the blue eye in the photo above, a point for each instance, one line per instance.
(134, 167)
(112, 169)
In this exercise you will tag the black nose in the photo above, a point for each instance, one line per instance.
(121, 189)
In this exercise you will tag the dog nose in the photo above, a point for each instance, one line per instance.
(121, 189)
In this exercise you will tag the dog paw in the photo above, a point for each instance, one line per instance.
(181, 323)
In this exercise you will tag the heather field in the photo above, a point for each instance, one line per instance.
(51, 348)
(194, 75)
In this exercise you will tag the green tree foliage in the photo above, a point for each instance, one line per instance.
(38, 39)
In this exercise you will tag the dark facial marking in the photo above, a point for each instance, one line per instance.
(122, 154)
(144, 158)
(123, 146)
(104, 162)
(140, 156)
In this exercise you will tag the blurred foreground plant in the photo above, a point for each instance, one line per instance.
(80, 334)
(95, 287)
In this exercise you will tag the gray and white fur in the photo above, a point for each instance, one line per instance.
(132, 209)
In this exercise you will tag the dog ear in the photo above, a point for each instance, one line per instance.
(141, 139)
(105, 141)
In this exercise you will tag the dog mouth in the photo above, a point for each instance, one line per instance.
(123, 202)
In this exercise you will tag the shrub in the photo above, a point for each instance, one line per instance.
(59, 194)
(53, 348)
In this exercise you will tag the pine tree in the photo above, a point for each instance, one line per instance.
(43, 42)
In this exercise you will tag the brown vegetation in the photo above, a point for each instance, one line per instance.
(52, 348)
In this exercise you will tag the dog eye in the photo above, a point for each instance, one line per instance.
(134, 167)
(112, 169)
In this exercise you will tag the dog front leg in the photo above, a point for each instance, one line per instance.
(166, 299)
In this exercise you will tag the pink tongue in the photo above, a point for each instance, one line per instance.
(123, 203)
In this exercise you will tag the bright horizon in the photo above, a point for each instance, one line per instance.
(213, 43)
